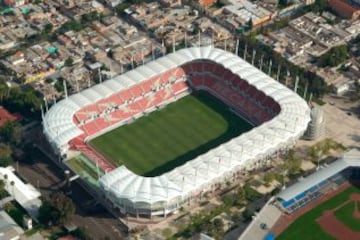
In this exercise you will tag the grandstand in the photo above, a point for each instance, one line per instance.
(280, 117)
(295, 200)
(320, 183)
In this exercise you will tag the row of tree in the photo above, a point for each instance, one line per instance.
(24, 100)
(56, 210)
(316, 85)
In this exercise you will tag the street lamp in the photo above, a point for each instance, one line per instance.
(284, 175)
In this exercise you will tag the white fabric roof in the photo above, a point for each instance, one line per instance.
(350, 159)
(286, 127)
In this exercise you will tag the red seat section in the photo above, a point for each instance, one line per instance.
(179, 87)
(136, 91)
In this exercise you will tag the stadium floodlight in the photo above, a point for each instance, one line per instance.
(42, 112)
(278, 73)
(65, 89)
(270, 66)
(46, 104)
(173, 44)
(245, 52)
(261, 62)
(296, 83)
(237, 47)
(306, 89)
(285, 172)
(199, 38)
(253, 57)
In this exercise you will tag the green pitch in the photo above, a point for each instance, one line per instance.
(306, 227)
(169, 137)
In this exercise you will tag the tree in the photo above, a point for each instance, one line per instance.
(2, 189)
(240, 196)
(334, 56)
(47, 214)
(56, 210)
(23, 100)
(63, 205)
(69, 62)
(283, 4)
(167, 233)
(48, 28)
(250, 193)
(59, 86)
(218, 224)
(5, 155)
(250, 23)
(218, 228)
(319, 5)
(81, 234)
(247, 214)
(11, 132)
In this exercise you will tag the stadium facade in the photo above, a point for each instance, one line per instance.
(279, 116)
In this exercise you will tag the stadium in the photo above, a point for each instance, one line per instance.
(277, 115)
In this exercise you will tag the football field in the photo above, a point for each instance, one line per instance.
(169, 137)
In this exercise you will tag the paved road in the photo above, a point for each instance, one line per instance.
(45, 176)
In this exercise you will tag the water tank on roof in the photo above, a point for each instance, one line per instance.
(316, 127)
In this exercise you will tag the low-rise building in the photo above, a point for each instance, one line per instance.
(345, 9)
(9, 229)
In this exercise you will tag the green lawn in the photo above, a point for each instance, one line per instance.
(345, 215)
(84, 167)
(306, 227)
(169, 137)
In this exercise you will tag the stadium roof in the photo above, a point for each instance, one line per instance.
(350, 159)
(238, 153)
